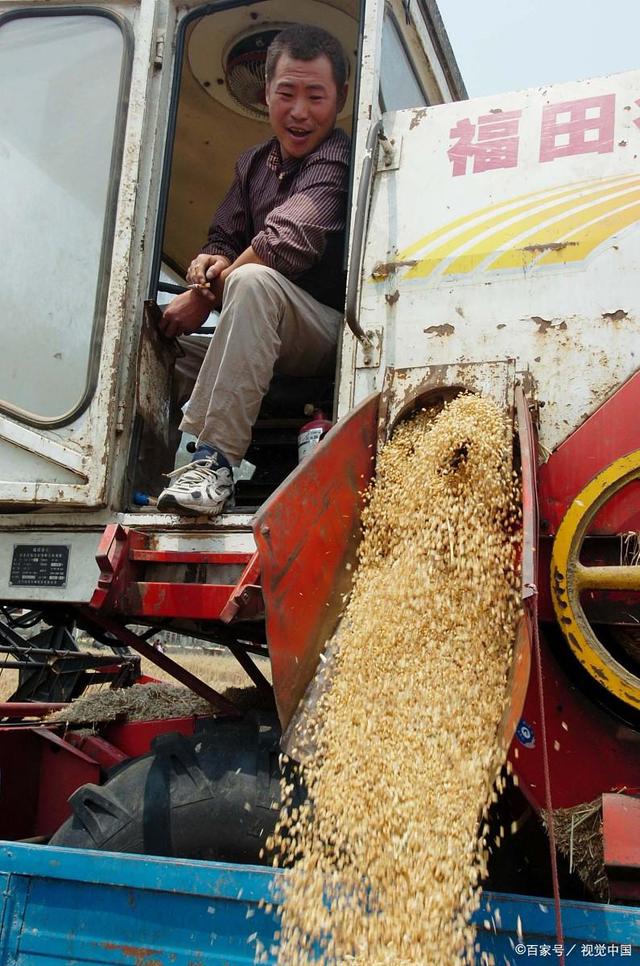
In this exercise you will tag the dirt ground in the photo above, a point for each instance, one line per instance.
(219, 670)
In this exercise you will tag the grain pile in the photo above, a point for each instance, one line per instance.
(141, 702)
(386, 848)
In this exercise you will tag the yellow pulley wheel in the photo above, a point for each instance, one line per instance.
(569, 578)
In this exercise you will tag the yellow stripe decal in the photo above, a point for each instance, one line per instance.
(583, 243)
(562, 231)
(541, 211)
(497, 240)
(541, 196)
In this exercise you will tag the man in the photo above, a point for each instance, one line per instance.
(272, 262)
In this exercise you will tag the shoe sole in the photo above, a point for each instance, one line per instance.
(170, 503)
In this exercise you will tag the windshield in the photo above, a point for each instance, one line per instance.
(59, 98)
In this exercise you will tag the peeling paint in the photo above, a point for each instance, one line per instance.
(140, 955)
(616, 316)
(548, 247)
(545, 324)
(393, 298)
(418, 115)
(445, 329)
(384, 269)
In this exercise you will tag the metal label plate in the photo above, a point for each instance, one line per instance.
(39, 565)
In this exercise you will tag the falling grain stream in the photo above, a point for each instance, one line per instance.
(387, 850)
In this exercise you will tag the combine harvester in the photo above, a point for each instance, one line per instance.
(494, 248)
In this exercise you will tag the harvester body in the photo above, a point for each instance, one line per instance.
(493, 248)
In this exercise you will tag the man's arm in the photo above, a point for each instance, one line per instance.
(205, 268)
(295, 233)
(247, 257)
(187, 312)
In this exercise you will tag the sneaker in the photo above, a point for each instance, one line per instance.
(199, 488)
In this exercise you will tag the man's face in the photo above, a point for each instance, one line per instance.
(303, 103)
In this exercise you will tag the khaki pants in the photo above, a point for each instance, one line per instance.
(267, 322)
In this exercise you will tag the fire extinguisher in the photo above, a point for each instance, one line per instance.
(312, 432)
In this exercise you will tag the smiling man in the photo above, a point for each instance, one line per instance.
(272, 263)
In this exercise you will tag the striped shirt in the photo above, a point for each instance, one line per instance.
(292, 212)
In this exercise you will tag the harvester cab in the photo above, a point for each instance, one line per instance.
(493, 248)
(123, 126)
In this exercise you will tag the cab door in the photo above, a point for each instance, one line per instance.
(65, 235)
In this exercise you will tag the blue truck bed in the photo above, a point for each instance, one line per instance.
(66, 906)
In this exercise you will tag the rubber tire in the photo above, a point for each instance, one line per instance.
(214, 795)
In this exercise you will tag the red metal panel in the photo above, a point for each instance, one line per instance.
(621, 824)
(29, 709)
(188, 556)
(113, 560)
(134, 737)
(101, 751)
(196, 601)
(611, 432)
(621, 838)
(63, 769)
(20, 751)
(520, 670)
(245, 602)
(121, 556)
(307, 533)
(528, 448)
(590, 751)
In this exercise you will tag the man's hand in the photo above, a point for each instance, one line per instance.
(206, 268)
(187, 312)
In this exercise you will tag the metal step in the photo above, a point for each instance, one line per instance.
(191, 576)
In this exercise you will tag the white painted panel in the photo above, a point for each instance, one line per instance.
(22, 466)
(82, 573)
(512, 230)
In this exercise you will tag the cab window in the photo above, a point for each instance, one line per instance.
(60, 79)
(400, 87)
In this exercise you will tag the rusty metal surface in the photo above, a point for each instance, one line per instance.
(527, 437)
(307, 534)
(404, 389)
(155, 367)
(534, 260)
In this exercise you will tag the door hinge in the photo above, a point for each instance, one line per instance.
(159, 52)
(121, 413)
